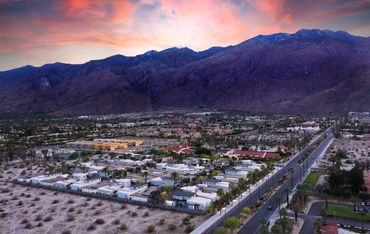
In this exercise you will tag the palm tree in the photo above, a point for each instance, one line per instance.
(317, 225)
(323, 214)
(175, 177)
(106, 171)
(45, 154)
(287, 195)
(145, 174)
(278, 201)
(296, 209)
(264, 229)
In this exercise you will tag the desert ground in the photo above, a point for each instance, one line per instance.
(33, 210)
(357, 150)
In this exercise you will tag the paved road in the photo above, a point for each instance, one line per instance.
(263, 213)
(314, 213)
(251, 199)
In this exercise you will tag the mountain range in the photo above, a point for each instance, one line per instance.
(318, 71)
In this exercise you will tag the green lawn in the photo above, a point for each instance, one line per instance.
(346, 212)
(312, 179)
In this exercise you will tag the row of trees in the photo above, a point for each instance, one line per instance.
(233, 222)
(236, 189)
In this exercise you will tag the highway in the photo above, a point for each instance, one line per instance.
(250, 199)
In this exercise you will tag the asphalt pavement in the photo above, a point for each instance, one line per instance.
(263, 212)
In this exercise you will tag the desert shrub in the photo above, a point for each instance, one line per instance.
(28, 226)
(38, 218)
(48, 219)
(66, 232)
(55, 201)
(70, 201)
(24, 221)
(71, 209)
(36, 199)
(70, 218)
(91, 227)
(186, 221)
(172, 227)
(115, 222)
(39, 225)
(20, 203)
(146, 214)
(133, 214)
(161, 222)
(123, 206)
(150, 229)
(189, 228)
(123, 227)
(99, 221)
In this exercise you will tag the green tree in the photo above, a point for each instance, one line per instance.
(296, 209)
(232, 223)
(317, 226)
(221, 230)
(264, 229)
(175, 177)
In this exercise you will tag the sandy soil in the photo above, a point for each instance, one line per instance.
(32, 210)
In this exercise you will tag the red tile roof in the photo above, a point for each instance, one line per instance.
(179, 149)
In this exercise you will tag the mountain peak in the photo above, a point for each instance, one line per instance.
(304, 34)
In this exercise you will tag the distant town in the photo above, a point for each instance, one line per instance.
(185, 172)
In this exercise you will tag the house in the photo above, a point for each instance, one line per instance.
(123, 182)
(236, 172)
(80, 184)
(179, 149)
(216, 184)
(162, 181)
(79, 176)
(92, 188)
(210, 196)
(38, 179)
(51, 182)
(180, 197)
(222, 162)
(198, 203)
(107, 190)
(133, 193)
(24, 179)
(64, 184)
(192, 189)
(278, 148)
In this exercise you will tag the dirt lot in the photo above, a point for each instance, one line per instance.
(32, 210)
(357, 150)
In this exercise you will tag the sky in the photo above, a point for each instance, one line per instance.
(36, 32)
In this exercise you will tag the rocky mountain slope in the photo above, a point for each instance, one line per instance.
(308, 71)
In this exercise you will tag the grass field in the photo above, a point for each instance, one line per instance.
(346, 212)
(312, 179)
